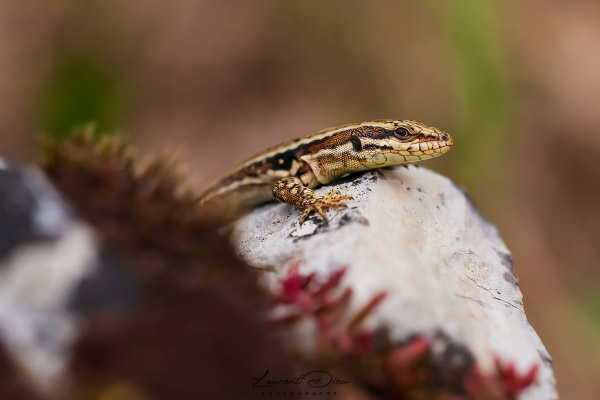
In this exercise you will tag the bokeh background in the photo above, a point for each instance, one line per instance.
(516, 82)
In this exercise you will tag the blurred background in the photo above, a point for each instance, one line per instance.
(517, 83)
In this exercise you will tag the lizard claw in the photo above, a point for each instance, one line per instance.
(319, 203)
(292, 191)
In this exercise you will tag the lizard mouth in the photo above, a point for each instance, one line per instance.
(425, 147)
(445, 143)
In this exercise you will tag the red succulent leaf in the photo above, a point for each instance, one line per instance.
(513, 381)
(331, 282)
(325, 306)
(316, 300)
(291, 286)
(363, 342)
(366, 310)
(407, 365)
(481, 386)
(505, 384)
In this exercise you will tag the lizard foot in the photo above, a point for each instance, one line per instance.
(292, 191)
(318, 203)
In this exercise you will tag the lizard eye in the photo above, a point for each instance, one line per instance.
(402, 132)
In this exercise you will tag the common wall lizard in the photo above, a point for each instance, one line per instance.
(288, 172)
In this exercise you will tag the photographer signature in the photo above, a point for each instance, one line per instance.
(314, 379)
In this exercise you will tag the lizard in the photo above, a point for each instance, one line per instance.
(290, 171)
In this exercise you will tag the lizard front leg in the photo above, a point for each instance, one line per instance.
(292, 191)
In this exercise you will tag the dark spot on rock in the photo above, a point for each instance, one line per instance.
(316, 218)
(331, 224)
(322, 225)
(452, 359)
(443, 198)
(379, 174)
(457, 238)
(545, 357)
(506, 259)
(511, 278)
(408, 188)
(353, 217)
(419, 190)
(420, 199)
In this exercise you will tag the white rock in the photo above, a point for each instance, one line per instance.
(54, 273)
(414, 234)
(44, 254)
(35, 283)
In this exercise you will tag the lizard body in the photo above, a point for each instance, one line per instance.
(288, 172)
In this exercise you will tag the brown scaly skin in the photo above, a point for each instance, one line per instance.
(319, 159)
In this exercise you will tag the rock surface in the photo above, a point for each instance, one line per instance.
(416, 235)
(53, 272)
(84, 315)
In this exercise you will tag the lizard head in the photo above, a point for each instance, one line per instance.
(402, 141)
